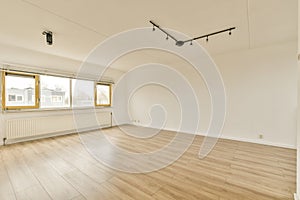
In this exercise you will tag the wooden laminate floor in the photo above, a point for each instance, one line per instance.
(61, 168)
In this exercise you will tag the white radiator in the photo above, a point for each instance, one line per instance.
(46, 125)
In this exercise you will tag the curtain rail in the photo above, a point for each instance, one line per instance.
(10, 68)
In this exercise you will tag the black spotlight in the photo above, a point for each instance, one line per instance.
(49, 37)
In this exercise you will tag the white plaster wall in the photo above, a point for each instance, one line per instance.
(38, 61)
(261, 86)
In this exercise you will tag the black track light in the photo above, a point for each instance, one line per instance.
(182, 42)
(49, 37)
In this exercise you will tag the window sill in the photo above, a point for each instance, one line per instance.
(56, 109)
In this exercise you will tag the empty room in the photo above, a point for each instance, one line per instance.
(134, 100)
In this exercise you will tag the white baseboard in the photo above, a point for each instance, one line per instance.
(259, 141)
(256, 141)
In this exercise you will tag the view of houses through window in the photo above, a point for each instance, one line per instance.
(33, 91)
(55, 92)
(20, 90)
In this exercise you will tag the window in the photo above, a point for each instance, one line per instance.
(28, 91)
(82, 93)
(19, 90)
(11, 97)
(20, 98)
(57, 99)
(55, 92)
(103, 94)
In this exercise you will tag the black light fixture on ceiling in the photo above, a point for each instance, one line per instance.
(49, 37)
(182, 42)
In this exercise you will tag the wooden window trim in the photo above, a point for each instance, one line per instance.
(110, 94)
(37, 103)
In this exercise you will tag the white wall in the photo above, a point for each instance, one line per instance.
(298, 128)
(142, 111)
(261, 86)
(298, 119)
(37, 61)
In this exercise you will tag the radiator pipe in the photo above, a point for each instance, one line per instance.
(111, 124)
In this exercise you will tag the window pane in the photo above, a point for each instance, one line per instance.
(83, 93)
(55, 92)
(19, 90)
(103, 94)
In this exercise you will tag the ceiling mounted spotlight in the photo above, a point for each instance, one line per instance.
(181, 42)
(49, 37)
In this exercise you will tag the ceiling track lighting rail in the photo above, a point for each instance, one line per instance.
(182, 42)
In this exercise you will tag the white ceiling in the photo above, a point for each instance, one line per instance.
(79, 25)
